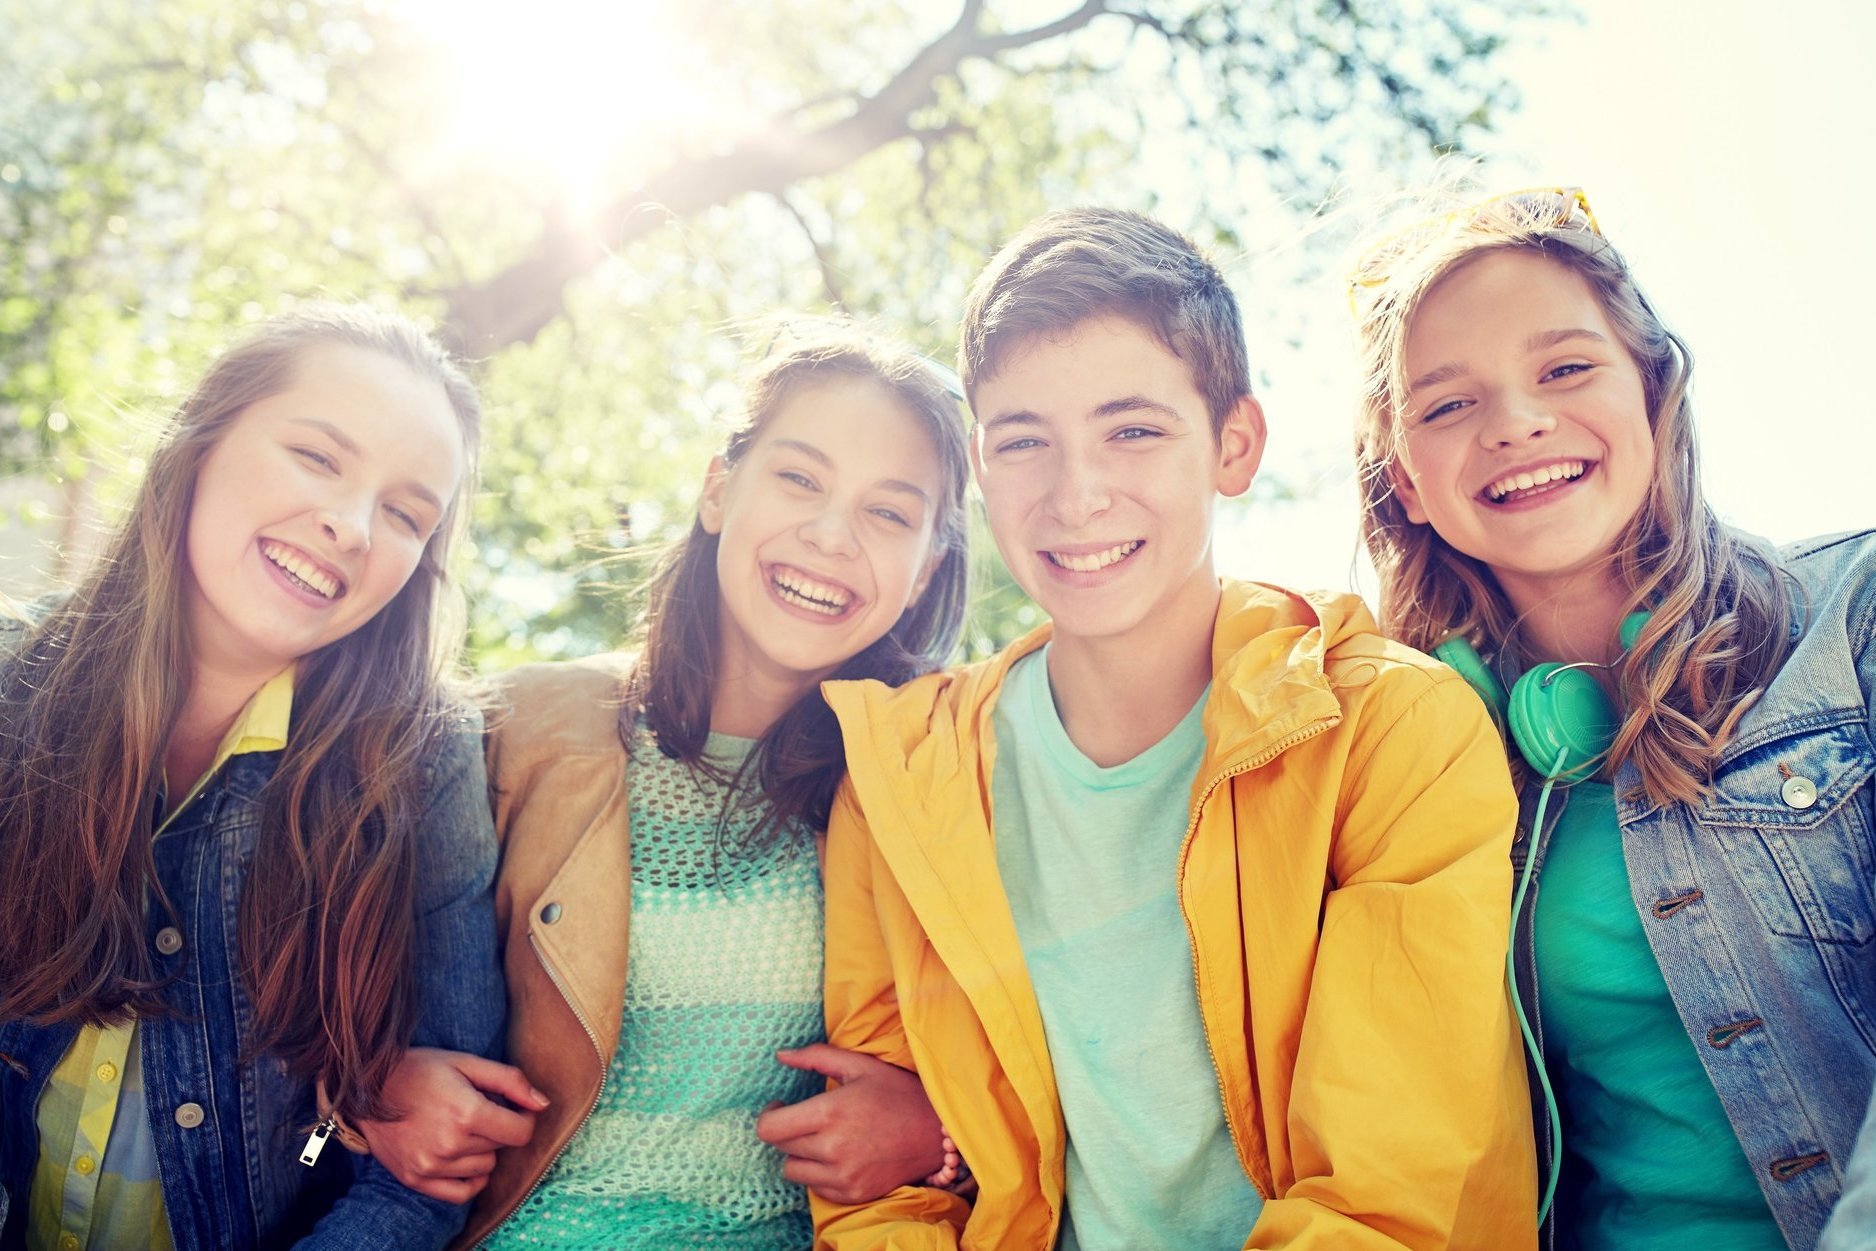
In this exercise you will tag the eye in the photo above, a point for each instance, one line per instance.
(1446, 409)
(1565, 371)
(1022, 443)
(1134, 434)
(893, 515)
(315, 457)
(796, 478)
(405, 519)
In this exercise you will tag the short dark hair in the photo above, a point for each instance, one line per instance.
(1070, 266)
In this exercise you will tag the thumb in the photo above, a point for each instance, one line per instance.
(505, 1080)
(828, 1061)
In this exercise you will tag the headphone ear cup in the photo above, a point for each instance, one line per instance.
(1460, 656)
(1562, 721)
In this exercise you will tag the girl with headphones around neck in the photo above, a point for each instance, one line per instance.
(1693, 736)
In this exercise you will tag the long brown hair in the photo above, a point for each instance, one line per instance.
(799, 761)
(1721, 610)
(87, 704)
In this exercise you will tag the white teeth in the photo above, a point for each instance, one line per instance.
(1090, 562)
(1562, 471)
(799, 589)
(303, 571)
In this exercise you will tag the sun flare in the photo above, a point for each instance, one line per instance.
(570, 90)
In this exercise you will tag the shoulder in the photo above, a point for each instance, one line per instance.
(558, 707)
(1836, 567)
(1328, 633)
(946, 698)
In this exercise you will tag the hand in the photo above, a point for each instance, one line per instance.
(873, 1132)
(447, 1131)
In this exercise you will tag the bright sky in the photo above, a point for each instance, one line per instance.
(1726, 148)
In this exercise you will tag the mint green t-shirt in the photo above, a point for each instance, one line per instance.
(1651, 1159)
(725, 969)
(1089, 858)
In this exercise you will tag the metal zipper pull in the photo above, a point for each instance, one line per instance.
(309, 1154)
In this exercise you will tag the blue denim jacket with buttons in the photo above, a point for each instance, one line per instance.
(229, 1134)
(1759, 901)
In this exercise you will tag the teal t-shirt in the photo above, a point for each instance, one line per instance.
(725, 969)
(1653, 1161)
(1089, 858)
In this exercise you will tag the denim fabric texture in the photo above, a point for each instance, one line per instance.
(1759, 902)
(229, 1134)
(1853, 1223)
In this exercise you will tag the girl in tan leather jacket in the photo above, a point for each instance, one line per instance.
(679, 796)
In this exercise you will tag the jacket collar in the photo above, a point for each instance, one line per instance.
(921, 757)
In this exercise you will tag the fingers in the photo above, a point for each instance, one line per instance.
(491, 1125)
(493, 1077)
(448, 1189)
(825, 1181)
(830, 1061)
(786, 1122)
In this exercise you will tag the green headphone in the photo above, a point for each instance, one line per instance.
(1560, 719)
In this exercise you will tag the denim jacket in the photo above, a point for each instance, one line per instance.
(228, 1134)
(1759, 901)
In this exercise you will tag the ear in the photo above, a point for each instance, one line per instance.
(710, 503)
(1406, 492)
(1240, 447)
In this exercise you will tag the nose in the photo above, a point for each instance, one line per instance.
(1079, 492)
(347, 525)
(830, 532)
(1516, 420)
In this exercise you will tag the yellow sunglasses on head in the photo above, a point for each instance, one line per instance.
(1533, 208)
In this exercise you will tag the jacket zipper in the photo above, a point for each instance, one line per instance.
(309, 1154)
(605, 1071)
(1185, 853)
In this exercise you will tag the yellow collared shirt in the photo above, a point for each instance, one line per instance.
(96, 1184)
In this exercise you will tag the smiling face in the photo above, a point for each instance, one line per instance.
(1526, 436)
(825, 532)
(1098, 464)
(313, 510)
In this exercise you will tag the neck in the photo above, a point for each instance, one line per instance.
(216, 698)
(747, 702)
(1569, 620)
(1117, 697)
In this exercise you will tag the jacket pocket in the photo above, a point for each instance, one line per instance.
(1793, 816)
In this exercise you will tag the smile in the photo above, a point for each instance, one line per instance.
(301, 570)
(792, 586)
(1529, 482)
(1094, 562)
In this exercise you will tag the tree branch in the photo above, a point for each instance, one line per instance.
(517, 303)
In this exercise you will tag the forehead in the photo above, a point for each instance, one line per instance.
(859, 426)
(391, 415)
(1073, 371)
(1501, 297)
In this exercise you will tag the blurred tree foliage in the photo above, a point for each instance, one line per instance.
(174, 169)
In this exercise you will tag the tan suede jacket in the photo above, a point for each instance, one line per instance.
(562, 900)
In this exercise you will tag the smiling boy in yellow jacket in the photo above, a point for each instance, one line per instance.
(1226, 966)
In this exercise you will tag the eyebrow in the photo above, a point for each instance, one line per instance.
(331, 432)
(1536, 343)
(1551, 338)
(1111, 408)
(821, 458)
(351, 448)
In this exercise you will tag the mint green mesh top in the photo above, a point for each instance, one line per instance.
(725, 968)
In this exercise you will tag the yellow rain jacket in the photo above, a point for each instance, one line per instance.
(1346, 886)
